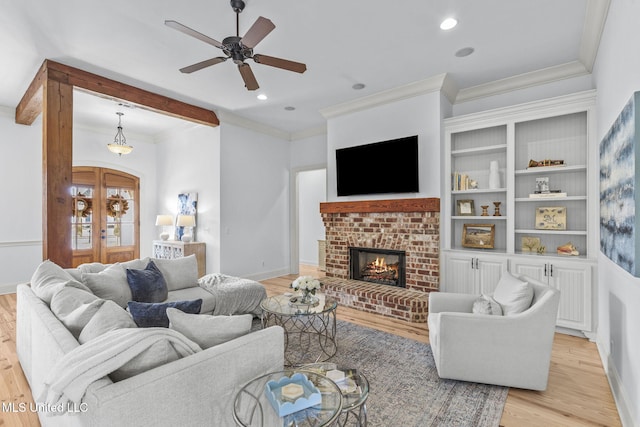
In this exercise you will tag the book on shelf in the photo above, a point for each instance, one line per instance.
(549, 195)
(461, 182)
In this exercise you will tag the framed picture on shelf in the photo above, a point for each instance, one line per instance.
(465, 208)
(542, 185)
(478, 236)
(551, 218)
(530, 244)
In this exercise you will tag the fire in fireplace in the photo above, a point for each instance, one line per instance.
(382, 266)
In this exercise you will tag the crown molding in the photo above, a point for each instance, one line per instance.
(522, 81)
(234, 119)
(594, 20)
(432, 84)
(309, 133)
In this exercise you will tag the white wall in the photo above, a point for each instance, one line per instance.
(254, 203)
(312, 190)
(310, 151)
(419, 115)
(188, 160)
(617, 76)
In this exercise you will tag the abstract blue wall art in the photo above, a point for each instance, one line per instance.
(619, 186)
(187, 205)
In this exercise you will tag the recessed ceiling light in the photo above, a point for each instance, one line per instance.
(465, 51)
(262, 97)
(289, 108)
(358, 86)
(448, 24)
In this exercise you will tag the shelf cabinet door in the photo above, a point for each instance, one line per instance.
(459, 273)
(573, 280)
(488, 273)
(536, 269)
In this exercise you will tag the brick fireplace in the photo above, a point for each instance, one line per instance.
(408, 225)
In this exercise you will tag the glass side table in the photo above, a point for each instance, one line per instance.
(309, 330)
(354, 394)
(252, 408)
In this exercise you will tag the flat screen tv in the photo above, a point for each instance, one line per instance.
(382, 167)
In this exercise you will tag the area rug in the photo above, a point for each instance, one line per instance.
(405, 389)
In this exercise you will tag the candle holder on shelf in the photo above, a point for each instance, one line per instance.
(485, 210)
(497, 211)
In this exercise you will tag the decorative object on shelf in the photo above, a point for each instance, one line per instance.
(551, 218)
(307, 285)
(310, 397)
(119, 145)
(545, 163)
(82, 206)
(530, 244)
(473, 184)
(567, 249)
(553, 194)
(478, 236)
(497, 208)
(494, 175)
(465, 208)
(187, 205)
(619, 191)
(541, 250)
(462, 182)
(485, 210)
(163, 221)
(188, 221)
(117, 206)
(542, 185)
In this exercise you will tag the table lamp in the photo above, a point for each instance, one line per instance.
(163, 221)
(187, 221)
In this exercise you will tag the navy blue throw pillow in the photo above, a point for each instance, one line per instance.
(147, 285)
(148, 315)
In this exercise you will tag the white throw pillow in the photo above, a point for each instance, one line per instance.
(111, 283)
(74, 308)
(487, 305)
(208, 331)
(179, 273)
(514, 295)
(109, 316)
(49, 278)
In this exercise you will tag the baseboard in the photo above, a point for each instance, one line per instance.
(619, 396)
(8, 289)
(267, 274)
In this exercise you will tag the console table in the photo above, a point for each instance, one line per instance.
(170, 249)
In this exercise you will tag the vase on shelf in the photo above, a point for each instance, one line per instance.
(494, 175)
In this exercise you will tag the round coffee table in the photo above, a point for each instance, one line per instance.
(252, 408)
(310, 330)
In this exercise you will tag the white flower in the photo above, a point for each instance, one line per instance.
(308, 283)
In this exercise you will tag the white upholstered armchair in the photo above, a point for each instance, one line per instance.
(513, 350)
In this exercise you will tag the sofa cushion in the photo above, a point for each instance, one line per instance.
(111, 284)
(97, 267)
(486, 305)
(147, 285)
(148, 315)
(208, 331)
(513, 295)
(179, 273)
(75, 308)
(158, 354)
(188, 294)
(109, 316)
(49, 278)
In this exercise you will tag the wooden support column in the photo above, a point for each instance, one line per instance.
(57, 148)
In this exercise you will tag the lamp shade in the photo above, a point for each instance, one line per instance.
(186, 221)
(164, 220)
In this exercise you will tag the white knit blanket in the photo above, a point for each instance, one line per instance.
(234, 295)
(75, 371)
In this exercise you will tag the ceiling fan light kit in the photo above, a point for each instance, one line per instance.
(239, 49)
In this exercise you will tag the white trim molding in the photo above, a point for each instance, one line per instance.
(594, 20)
(619, 395)
(234, 119)
(21, 243)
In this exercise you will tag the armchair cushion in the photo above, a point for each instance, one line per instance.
(513, 295)
(487, 305)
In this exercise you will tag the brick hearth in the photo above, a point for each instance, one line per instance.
(410, 225)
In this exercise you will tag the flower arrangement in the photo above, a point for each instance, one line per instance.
(307, 284)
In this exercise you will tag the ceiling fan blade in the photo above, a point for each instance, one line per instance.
(257, 32)
(203, 64)
(285, 64)
(247, 75)
(193, 33)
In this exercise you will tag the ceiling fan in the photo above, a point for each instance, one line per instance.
(239, 48)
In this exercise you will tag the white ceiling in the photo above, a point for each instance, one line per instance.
(383, 44)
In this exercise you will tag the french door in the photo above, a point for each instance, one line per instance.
(105, 217)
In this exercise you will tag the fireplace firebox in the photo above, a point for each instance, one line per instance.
(383, 266)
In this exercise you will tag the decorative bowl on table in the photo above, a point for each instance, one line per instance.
(285, 405)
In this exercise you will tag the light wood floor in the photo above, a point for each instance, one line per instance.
(578, 393)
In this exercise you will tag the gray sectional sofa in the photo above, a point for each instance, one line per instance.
(197, 389)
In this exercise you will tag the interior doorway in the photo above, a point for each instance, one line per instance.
(310, 189)
(105, 217)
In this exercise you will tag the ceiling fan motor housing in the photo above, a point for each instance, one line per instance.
(234, 49)
(237, 5)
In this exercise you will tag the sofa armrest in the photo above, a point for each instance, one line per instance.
(200, 388)
(445, 301)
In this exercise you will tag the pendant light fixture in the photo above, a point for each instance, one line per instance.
(119, 144)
